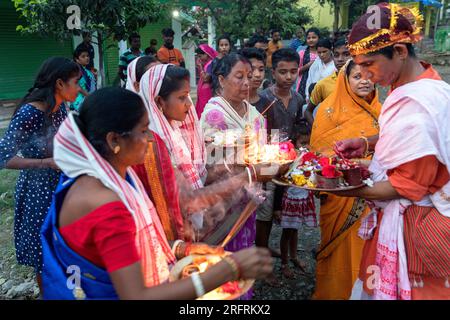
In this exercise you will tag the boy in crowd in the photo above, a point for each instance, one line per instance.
(284, 116)
(259, 42)
(129, 55)
(298, 43)
(87, 45)
(152, 50)
(274, 45)
(286, 113)
(257, 58)
(87, 80)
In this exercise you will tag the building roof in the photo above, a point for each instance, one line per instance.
(429, 3)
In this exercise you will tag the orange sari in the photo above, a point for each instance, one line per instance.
(342, 115)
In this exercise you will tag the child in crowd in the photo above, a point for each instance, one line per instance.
(307, 57)
(257, 58)
(298, 208)
(152, 50)
(283, 119)
(87, 81)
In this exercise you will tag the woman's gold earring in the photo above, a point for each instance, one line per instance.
(116, 149)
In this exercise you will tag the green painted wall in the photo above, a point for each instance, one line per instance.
(22, 54)
(323, 16)
(27, 52)
(153, 31)
(111, 61)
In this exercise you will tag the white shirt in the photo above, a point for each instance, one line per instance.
(317, 72)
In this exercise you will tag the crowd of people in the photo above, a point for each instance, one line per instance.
(121, 181)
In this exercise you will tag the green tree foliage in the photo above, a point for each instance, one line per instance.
(106, 18)
(241, 18)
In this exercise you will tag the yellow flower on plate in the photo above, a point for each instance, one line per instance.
(299, 179)
(310, 184)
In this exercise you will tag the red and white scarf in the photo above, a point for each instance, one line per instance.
(131, 75)
(75, 156)
(414, 123)
(184, 140)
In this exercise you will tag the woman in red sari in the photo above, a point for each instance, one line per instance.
(102, 219)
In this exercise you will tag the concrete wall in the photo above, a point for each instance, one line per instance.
(188, 52)
(176, 26)
(323, 17)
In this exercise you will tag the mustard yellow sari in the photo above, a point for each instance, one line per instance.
(341, 116)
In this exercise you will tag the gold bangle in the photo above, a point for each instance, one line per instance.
(366, 151)
(234, 267)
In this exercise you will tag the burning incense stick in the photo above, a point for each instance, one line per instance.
(294, 165)
(270, 106)
(345, 160)
(339, 154)
(249, 209)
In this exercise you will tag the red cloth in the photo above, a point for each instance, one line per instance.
(415, 179)
(166, 180)
(435, 262)
(429, 73)
(427, 242)
(412, 180)
(106, 237)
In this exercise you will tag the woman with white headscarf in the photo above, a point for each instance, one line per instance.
(102, 238)
(165, 90)
(136, 70)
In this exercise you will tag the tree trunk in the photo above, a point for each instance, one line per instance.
(336, 16)
(101, 58)
(436, 22)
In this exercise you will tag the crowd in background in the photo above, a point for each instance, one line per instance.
(79, 202)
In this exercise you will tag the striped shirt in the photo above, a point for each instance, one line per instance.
(126, 58)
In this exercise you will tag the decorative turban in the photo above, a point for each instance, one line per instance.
(384, 26)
